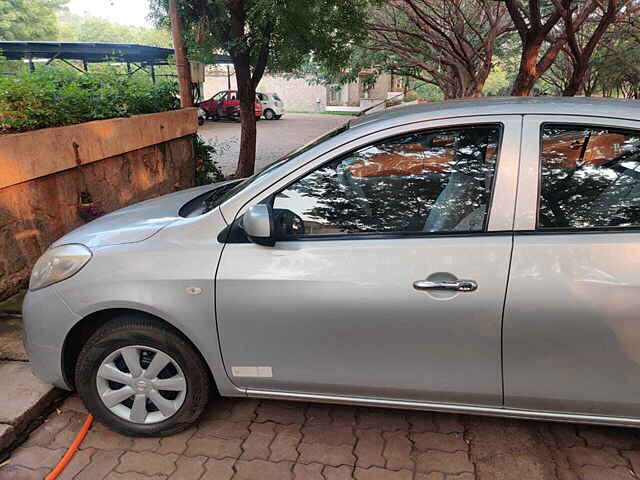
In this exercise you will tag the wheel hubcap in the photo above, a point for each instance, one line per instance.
(141, 384)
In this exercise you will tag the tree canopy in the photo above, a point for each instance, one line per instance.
(29, 19)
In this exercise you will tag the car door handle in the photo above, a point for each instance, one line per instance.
(457, 286)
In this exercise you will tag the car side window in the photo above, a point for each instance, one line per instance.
(430, 181)
(590, 177)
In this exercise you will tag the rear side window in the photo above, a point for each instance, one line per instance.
(432, 181)
(590, 177)
(276, 97)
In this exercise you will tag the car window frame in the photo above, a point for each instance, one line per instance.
(503, 202)
(411, 234)
(528, 207)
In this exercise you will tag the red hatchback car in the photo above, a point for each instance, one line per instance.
(225, 104)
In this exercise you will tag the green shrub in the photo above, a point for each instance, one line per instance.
(207, 169)
(410, 96)
(51, 97)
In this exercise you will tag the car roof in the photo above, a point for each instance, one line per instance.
(589, 106)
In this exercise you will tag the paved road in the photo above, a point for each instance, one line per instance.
(243, 439)
(275, 138)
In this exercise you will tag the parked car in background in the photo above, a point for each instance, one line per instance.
(476, 256)
(226, 104)
(272, 105)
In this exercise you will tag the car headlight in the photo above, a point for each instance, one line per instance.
(57, 264)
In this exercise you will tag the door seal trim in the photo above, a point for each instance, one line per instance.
(447, 407)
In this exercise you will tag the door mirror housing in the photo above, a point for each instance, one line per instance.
(258, 225)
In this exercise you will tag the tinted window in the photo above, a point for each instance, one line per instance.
(589, 177)
(219, 95)
(435, 181)
(276, 97)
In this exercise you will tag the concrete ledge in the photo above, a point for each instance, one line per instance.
(30, 155)
(22, 399)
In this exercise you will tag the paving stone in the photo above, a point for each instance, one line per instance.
(591, 472)
(448, 423)
(565, 435)
(338, 473)
(318, 414)
(23, 397)
(376, 473)
(213, 447)
(433, 461)
(397, 450)
(66, 435)
(382, 419)
(147, 463)
(313, 471)
(503, 466)
(285, 444)
(446, 442)
(430, 476)
(11, 345)
(102, 462)
(15, 472)
(344, 415)
(280, 412)
(176, 443)
(223, 429)
(36, 457)
(263, 470)
(369, 448)
(145, 444)
(218, 469)
(188, 468)
(579, 456)
(598, 437)
(74, 402)
(133, 476)
(256, 445)
(634, 458)
(328, 434)
(326, 454)
(80, 460)
(103, 438)
(7, 436)
(421, 421)
(45, 434)
(244, 410)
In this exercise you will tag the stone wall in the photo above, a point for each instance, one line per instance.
(40, 197)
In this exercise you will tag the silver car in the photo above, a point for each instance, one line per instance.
(478, 256)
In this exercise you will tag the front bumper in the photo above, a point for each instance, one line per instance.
(46, 321)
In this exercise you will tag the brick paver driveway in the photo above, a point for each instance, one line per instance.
(264, 440)
(275, 137)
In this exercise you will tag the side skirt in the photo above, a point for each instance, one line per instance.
(449, 408)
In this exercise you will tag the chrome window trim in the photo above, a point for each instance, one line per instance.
(501, 212)
(528, 189)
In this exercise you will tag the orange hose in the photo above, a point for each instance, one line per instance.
(72, 450)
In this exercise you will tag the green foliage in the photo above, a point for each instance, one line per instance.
(207, 169)
(29, 19)
(79, 28)
(497, 82)
(53, 97)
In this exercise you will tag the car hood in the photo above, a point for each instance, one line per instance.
(136, 222)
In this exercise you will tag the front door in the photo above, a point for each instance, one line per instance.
(387, 280)
(572, 322)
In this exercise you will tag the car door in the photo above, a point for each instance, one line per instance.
(370, 289)
(571, 324)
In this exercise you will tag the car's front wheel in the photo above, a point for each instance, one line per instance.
(269, 114)
(141, 378)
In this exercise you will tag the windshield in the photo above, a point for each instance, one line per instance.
(278, 164)
(219, 95)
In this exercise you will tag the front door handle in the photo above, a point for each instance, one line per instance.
(456, 286)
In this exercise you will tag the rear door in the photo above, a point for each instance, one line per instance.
(371, 289)
(572, 316)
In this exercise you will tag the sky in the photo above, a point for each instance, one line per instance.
(126, 12)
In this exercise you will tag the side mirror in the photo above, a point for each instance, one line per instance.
(258, 225)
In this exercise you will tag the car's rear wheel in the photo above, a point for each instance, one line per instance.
(277, 117)
(141, 378)
(269, 114)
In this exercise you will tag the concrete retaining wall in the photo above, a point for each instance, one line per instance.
(46, 174)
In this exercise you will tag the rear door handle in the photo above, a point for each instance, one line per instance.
(457, 286)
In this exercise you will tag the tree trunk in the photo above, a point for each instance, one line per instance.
(247, 96)
(575, 81)
(182, 64)
(527, 73)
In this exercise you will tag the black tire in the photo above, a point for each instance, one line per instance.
(269, 114)
(131, 329)
(277, 117)
(200, 121)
